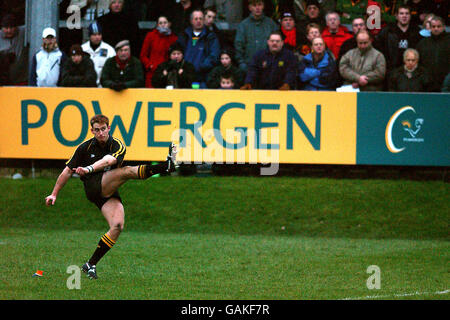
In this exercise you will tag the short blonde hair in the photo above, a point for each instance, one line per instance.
(428, 19)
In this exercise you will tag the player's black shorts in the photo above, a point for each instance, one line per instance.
(93, 190)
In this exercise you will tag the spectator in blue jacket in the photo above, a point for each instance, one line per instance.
(272, 68)
(317, 70)
(201, 47)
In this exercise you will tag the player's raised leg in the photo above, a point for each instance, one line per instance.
(113, 179)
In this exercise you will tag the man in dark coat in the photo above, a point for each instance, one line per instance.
(179, 12)
(13, 52)
(122, 71)
(435, 53)
(395, 38)
(272, 68)
(118, 25)
(411, 77)
(175, 72)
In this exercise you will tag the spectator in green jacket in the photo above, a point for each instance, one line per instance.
(252, 33)
(122, 71)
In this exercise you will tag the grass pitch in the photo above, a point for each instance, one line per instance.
(231, 238)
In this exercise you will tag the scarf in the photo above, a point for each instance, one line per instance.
(164, 31)
(122, 64)
(409, 73)
(291, 38)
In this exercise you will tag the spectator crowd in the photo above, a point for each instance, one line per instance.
(366, 45)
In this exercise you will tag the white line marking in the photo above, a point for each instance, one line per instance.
(399, 295)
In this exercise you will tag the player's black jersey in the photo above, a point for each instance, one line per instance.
(91, 151)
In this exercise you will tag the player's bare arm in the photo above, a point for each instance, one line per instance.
(60, 183)
(106, 161)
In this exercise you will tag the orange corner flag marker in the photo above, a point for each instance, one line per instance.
(38, 273)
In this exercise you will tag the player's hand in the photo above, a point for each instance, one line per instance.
(81, 171)
(50, 200)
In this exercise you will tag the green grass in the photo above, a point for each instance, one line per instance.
(231, 238)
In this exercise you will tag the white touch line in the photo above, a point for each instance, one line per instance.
(399, 295)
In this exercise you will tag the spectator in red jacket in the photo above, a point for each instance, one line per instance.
(156, 47)
(334, 34)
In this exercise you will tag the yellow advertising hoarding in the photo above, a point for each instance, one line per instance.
(223, 126)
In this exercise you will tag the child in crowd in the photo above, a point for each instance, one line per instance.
(226, 65)
(227, 81)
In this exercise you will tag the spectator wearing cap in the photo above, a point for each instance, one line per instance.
(175, 72)
(299, 7)
(122, 71)
(317, 70)
(201, 47)
(13, 52)
(335, 34)
(118, 25)
(45, 70)
(292, 34)
(273, 68)
(155, 47)
(313, 14)
(78, 71)
(227, 65)
(98, 50)
(252, 33)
